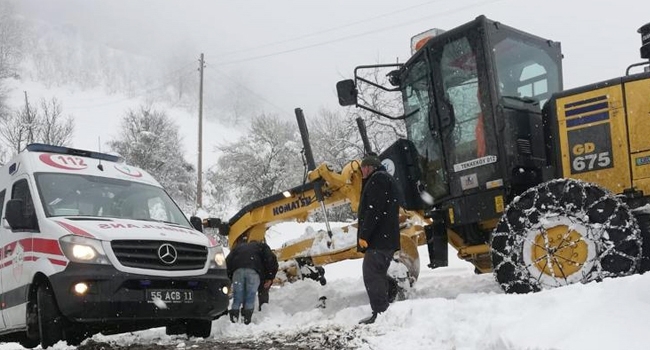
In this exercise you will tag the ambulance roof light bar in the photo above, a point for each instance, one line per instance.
(41, 147)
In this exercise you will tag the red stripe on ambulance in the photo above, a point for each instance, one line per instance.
(74, 229)
(58, 262)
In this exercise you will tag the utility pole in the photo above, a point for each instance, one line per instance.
(30, 129)
(199, 183)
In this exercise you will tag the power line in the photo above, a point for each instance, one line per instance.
(230, 53)
(402, 24)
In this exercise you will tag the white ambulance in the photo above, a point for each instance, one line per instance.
(89, 244)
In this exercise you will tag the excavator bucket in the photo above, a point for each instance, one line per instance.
(304, 258)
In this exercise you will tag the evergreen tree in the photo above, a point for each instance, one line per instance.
(149, 139)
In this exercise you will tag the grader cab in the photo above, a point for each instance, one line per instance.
(544, 187)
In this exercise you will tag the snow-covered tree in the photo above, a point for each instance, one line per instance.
(231, 99)
(54, 128)
(268, 160)
(335, 138)
(12, 36)
(30, 124)
(263, 162)
(149, 139)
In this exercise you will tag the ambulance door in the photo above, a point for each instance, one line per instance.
(18, 257)
(3, 243)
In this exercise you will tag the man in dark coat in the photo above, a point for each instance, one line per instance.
(378, 232)
(250, 264)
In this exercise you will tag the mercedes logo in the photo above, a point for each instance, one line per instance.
(167, 253)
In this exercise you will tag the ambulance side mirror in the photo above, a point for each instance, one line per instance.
(16, 216)
(197, 223)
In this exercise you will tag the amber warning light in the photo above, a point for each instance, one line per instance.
(419, 40)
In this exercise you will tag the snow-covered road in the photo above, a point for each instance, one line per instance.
(448, 308)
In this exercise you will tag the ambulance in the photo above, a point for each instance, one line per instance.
(89, 244)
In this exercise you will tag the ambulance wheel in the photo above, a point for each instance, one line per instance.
(563, 232)
(50, 320)
(199, 328)
(31, 338)
(28, 342)
(176, 328)
(75, 336)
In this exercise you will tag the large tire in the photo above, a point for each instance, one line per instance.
(50, 321)
(563, 232)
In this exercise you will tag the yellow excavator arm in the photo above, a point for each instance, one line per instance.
(323, 188)
(295, 204)
(321, 248)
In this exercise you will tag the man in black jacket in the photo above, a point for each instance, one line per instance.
(377, 232)
(249, 263)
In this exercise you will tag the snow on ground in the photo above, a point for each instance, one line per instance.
(448, 308)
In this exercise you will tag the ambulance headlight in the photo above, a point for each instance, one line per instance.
(83, 250)
(217, 258)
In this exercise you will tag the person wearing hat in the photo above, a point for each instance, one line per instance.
(377, 232)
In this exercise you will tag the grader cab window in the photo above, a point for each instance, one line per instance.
(417, 97)
(525, 71)
(461, 92)
(417, 100)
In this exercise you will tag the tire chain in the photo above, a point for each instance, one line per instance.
(538, 194)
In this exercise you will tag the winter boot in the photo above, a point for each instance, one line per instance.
(370, 319)
(234, 315)
(247, 315)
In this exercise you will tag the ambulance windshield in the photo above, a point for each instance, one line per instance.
(95, 196)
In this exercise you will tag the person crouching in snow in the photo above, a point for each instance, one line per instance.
(249, 264)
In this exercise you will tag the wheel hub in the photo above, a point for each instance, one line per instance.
(559, 251)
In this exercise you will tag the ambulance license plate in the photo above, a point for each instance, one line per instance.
(170, 295)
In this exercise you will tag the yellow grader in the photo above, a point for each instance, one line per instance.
(541, 186)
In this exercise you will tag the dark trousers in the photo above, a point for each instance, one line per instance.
(262, 296)
(375, 266)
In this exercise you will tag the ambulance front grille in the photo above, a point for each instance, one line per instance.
(160, 255)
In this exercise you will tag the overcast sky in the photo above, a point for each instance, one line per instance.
(291, 53)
